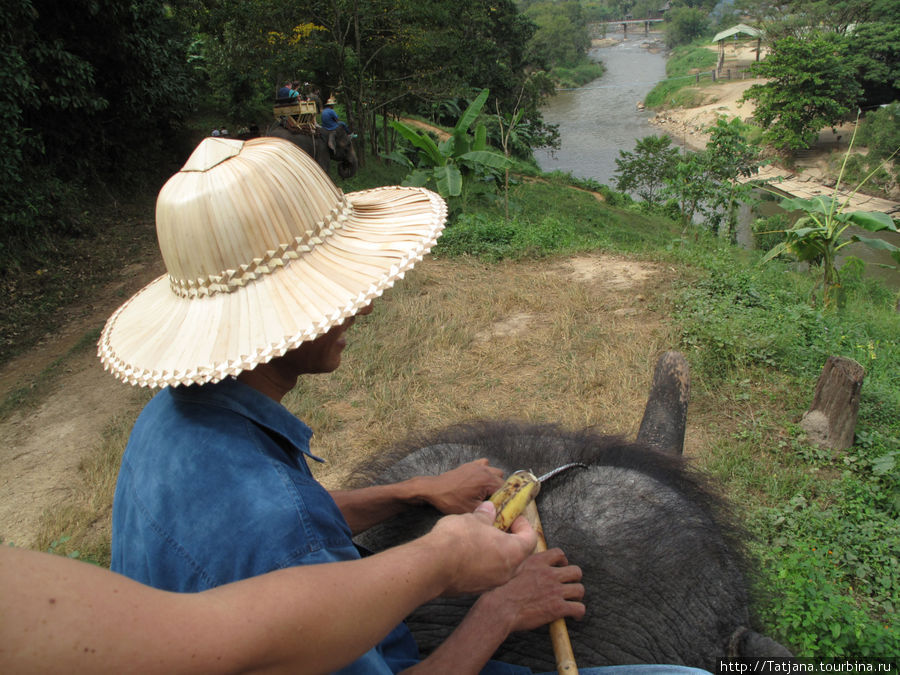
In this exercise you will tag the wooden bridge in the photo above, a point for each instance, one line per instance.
(624, 23)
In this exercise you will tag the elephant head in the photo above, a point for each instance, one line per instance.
(324, 146)
(665, 572)
(340, 147)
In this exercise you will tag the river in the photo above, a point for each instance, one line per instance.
(601, 118)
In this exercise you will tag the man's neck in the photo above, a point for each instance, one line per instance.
(267, 380)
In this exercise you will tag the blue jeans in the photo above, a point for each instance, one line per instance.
(496, 668)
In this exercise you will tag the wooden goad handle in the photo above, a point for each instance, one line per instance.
(559, 634)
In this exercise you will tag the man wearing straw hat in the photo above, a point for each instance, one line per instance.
(330, 119)
(267, 265)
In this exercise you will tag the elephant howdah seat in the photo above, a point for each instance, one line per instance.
(295, 113)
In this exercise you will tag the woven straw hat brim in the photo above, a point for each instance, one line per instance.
(159, 338)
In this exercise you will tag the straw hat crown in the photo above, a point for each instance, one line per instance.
(222, 223)
(263, 252)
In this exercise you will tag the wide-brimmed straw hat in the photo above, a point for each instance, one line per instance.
(331, 101)
(263, 252)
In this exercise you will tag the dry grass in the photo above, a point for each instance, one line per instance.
(459, 340)
(86, 517)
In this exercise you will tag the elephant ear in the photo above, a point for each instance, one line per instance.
(330, 140)
(747, 643)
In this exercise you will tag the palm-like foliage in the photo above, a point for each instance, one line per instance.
(443, 163)
(821, 233)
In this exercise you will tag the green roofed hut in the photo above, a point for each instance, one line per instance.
(740, 29)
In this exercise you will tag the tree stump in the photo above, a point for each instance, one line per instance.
(831, 419)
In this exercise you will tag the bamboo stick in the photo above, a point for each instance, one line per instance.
(559, 634)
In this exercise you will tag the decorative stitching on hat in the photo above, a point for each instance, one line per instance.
(228, 281)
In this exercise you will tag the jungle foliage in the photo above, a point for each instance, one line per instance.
(441, 165)
(827, 59)
(812, 84)
(693, 186)
(91, 92)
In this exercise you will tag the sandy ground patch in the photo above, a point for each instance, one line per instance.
(811, 174)
(687, 126)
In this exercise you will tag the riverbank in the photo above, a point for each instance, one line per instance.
(812, 171)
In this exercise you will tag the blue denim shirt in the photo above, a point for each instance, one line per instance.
(214, 487)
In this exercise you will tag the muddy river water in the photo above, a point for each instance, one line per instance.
(601, 118)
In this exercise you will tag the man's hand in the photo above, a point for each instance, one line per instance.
(462, 489)
(458, 491)
(544, 589)
(485, 557)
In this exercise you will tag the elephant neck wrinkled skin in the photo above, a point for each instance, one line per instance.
(662, 562)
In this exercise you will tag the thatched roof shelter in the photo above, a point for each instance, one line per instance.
(740, 29)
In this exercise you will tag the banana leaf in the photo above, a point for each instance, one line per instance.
(873, 222)
(421, 141)
(480, 138)
(448, 180)
(471, 113)
(820, 204)
(418, 178)
(488, 158)
(879, 244)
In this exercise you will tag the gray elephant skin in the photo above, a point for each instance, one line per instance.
(665, 574)
(324, 146)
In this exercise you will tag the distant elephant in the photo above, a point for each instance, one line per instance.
(323, 147)
(664, 569)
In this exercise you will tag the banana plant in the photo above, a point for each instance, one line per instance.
(820, 234)
(443, 163)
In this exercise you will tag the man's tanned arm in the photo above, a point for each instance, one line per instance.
(310, 619)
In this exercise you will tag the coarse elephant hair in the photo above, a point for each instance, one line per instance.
(666, 573)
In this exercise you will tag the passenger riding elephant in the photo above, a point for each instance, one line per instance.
(323, 147)
(665, 575)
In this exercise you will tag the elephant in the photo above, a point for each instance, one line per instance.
(324, 146)
(666, 574)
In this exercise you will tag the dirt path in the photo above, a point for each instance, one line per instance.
(43, 442)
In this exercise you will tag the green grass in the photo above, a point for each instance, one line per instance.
(548, 218)
(681, 68)
(827, 522)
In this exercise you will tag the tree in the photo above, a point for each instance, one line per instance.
(644, 171)
(873, 49)
(87, 86)
(818, 235)
(690, 185)
(684, 25)
(729, 157)
(811, 85)
(561, 37)
(782, 18)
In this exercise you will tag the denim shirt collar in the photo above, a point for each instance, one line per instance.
(255, 406)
